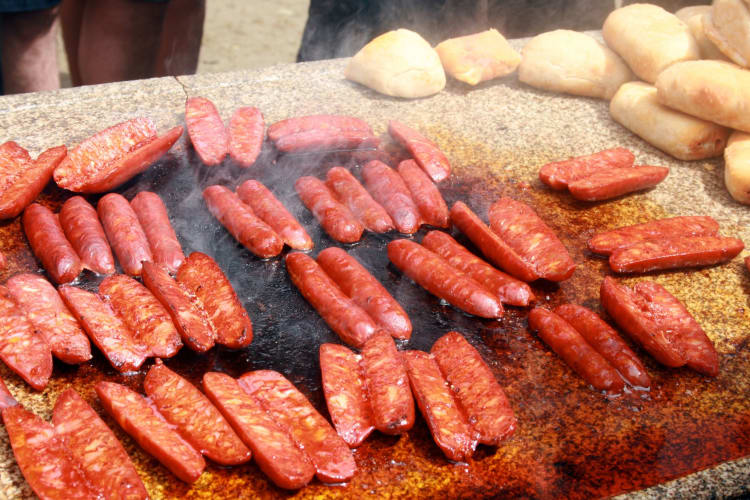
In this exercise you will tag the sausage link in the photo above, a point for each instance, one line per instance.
(475, 388)
(388, 188)
(439, 278)
(272, 447)
(49, 244)
(152, 214)
(351, 323)
(329, 453)
(142, 314)
(271, 211)
(522, 229)
(425, 194)
(424, 151)
(356, 198)
(611, 183)
(316, 122)
(508, 289)
(449, 427)
(124, 233)
(559, 174)
(326, 140)
(241, 222)
(366, 291)
(41, 303)
(150, 430)
(206, 130)
(94, 446)
(672, 253)
(86, 234)
(336, 219)
(606, 341)
(246, 129)
(387, 385)
(31, 181)
(202, 277)
(344, 390)
(22, 348)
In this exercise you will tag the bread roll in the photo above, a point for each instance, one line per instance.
(574, 63)
(727, 25)
(685, 137)
(693, 17)
(398, 63)
(478, 57)
(649, 38)
(716, 91)
(737, 167)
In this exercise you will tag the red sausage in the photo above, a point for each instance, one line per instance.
(316, 122)
(495, 249)
(152, 214)
(671, 253)
(150, 430)
(574, 350)
(326, 140)
(344, 390)
(43, 458)
(336, 219)
(329, 453)
(41, 303)
(351, 323)
(366, 291)
(206, 130)
(508, 289)
(94, 446)
(389, 189)
(86, 234)
(606, 341)
(424, 151)
(271, 211)
(607, 242)
(559, 174)
(22, 348)
(14, 159)
(241, 222)
(439, 278)
(6, 398)
(202, 277)
(193, 415)
(449, 427)
(475, 388)
(246, 135)
(356, 198)
(142, 314)
(425, 194)
(633, 313)
(615, 182)
(104, 328)
(273, 448)
(49, 243)
(31, 181)
(124, 233)
(188, 316)
(387, 385)
(522, 229)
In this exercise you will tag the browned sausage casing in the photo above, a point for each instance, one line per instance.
(30, 182)
(425, 194)
(152, 214)
(81, 225)
(607, 184)
(335, 218)
(559, 174)
(124, 233)
(672, 253)
(50, 245)
(388, 188)
(426, 152)
(356, 198)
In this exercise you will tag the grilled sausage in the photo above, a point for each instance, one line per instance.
(326, 140)
(424, 151)
(611, 183)
(48, 242)
(335, 218)
(316, 122)
(671, 253)
(356, 198)
(388, 188)
(559, 174)
(30, 182)
(425, 194)
(246, 129)
(152, 214)
(206, 130)
(124, 233)
(85, 233)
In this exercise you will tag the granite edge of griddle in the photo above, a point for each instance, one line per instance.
(490, 132)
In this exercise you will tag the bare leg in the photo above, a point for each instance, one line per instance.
(181, 38)
(29, 51)
(71, 15)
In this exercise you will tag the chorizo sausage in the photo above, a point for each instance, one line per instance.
(366, 291)
(49, 244)
(246, 129)
(425, 194)
(14, 159)
(388, 188)
(326, 140)
(424, 151)
(335, 218)
(316, 122)
(475, 388)
(124, 233)
(206, 130)
(242, 223)
(329, 453)
(152, 214)
(86, 234)
(41, 303)
(559, 174)
(271, 211)
(611, 183)
(30, 182)
(356, 198)
(439, 278)
(671, 253)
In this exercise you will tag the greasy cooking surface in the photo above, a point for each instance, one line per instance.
(570, 441)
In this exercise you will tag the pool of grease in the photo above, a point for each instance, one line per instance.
(571, 441)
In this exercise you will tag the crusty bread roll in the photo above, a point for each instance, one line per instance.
(478, 57)
(398, 63)
(649, 39)
(727, 25)
(574, 63)
(716, 91)
(693, 17)
(685, 137)
(737, 167)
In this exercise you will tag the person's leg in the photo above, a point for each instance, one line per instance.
(28, 51)
(181, 38)
(71, 15)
